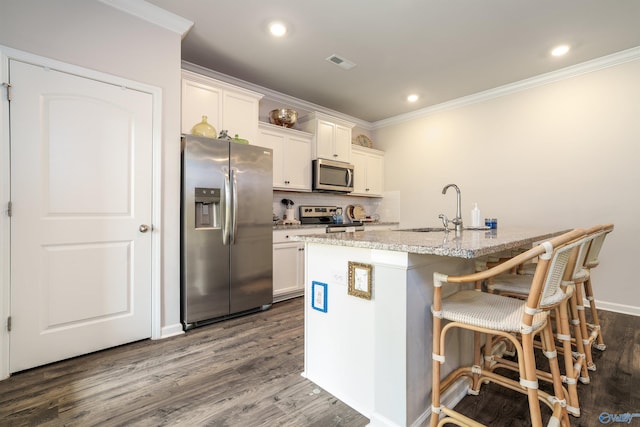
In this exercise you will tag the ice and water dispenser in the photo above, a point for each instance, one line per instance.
(207, 207)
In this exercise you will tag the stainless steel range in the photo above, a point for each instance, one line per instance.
(324, 215)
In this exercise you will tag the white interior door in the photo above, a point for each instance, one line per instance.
(81, 187)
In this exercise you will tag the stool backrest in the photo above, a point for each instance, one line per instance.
(562, 259)
(591, 259)
(578, 264)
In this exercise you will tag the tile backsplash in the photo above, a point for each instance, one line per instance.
(386, 208)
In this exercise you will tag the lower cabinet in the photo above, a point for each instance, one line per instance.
(288, 263)
(288, 270)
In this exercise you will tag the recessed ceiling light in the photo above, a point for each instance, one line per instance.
(277, 29)
(412, 98)
(560, 50)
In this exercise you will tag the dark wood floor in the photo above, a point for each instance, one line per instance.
(614, 387)
(241, 372)
(246, 372)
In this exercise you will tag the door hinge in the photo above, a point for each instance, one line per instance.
(9, 208)
(9, 324)
(8, 86)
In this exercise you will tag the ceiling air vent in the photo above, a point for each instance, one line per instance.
(341, 62)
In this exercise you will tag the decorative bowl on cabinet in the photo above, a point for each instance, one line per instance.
(283, 117)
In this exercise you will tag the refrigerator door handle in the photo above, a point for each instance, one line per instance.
(234, 215)
(226, 224)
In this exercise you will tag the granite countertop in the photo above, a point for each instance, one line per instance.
(469, 244)
(306, 226)
(296, 226)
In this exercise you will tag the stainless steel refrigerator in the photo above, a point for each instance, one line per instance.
(227, 229)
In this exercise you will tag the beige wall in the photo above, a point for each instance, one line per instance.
(95, 36)
(562, 155)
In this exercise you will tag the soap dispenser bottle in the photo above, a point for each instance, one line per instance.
(475, 215)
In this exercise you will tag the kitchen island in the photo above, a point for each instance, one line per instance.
(375, 354)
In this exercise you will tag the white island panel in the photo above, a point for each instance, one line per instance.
(340, 357)
(374, 355)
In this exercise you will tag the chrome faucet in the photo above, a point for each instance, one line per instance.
(445, 221)
(457, 221)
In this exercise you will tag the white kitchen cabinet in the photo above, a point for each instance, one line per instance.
(288, 263)
(226, 106)
(291, 156)
(288, 270)
(332, 136)
(368, 174)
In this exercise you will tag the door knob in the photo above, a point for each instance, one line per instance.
(144, 228)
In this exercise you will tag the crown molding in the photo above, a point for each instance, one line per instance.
(272, 95)
(152, 13)
(540, 80)
(612, 60)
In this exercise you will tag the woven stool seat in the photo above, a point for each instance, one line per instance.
(519, 285)
(513, 283)
(581, 275)
(488, 311)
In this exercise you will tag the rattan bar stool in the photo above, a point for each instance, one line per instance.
(566, 319)
(591, 332)
(512, 319)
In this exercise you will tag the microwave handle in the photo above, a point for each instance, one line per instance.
(349, 178)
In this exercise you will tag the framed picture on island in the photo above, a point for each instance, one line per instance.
(360, 280)
(319, 296)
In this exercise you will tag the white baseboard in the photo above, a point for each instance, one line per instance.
(171, 331)
(288, 295)
(450, 398)
(618, 308)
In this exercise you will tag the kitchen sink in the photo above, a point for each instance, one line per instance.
(423, 229)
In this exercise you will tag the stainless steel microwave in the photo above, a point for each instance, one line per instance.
(329, 175)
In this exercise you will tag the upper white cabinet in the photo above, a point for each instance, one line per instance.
(291, 156)
(226, 106)
(332, 136)
(368, 174)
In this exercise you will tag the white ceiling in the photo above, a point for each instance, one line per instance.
(439, 49)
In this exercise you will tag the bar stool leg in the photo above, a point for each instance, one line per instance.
(549, 350)
(435, 372)
(530, 378)
(585, 340)
(477, 361)
(572, 371)
(594, 315)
